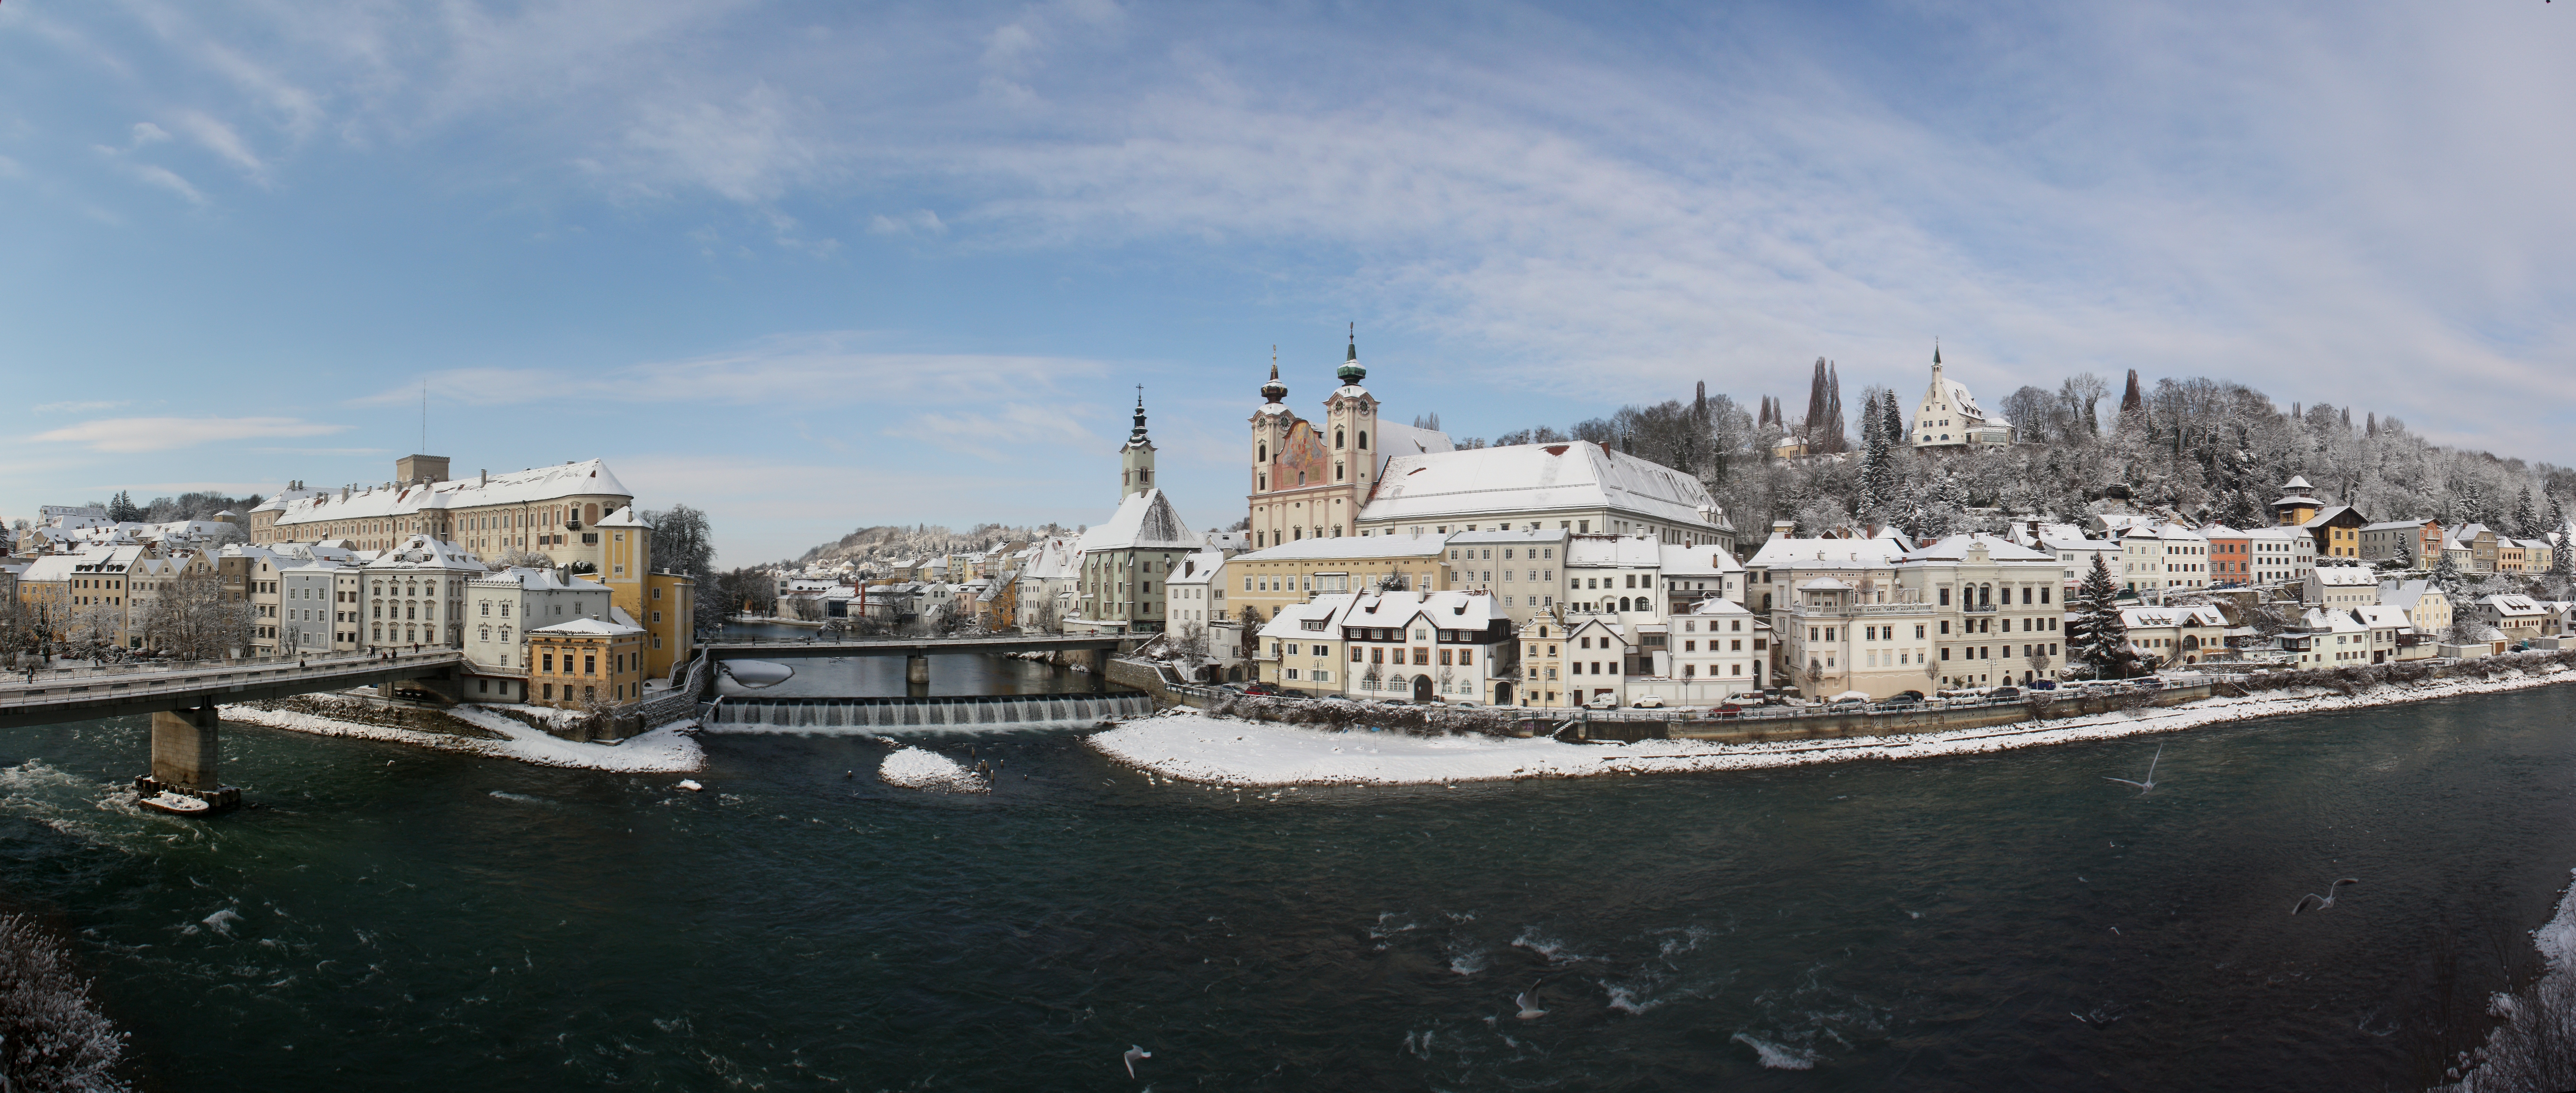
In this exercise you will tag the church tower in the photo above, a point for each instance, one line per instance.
(1350, 425)
(1136, 460)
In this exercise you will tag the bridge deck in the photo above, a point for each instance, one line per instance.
(52, 698)
(777, 648)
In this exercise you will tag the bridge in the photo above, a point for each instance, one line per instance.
(918, 651)
(181, 699)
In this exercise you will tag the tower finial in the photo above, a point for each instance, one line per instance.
(1936, 349)
(1351, 372)
(1274, 390)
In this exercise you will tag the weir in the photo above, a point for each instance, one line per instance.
(824, 715)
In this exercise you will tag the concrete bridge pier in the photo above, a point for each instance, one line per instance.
(183, 757)
(916, 668)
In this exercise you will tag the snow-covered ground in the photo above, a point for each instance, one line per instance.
(1194, 746)
(669, 748)
(920, 768)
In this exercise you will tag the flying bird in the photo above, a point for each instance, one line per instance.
(2324, 901)
(1135, 1052)
(1528, 1002)
(2150, 783)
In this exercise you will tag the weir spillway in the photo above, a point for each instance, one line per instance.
(823, 715)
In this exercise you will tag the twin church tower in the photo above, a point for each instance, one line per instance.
(1309, 479)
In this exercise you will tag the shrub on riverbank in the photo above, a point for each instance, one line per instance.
(2355, 677)
(52, 1035)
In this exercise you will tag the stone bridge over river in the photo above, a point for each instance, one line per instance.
(182, 697)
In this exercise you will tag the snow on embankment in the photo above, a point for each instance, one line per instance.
(666, 749)
(921, 768)
(1200, 747)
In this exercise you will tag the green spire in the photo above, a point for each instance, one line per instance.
(1351, 372)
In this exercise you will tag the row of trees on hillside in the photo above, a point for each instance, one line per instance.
(2211, 449)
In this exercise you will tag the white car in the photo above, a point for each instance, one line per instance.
(1649, 702)
(1605, 702)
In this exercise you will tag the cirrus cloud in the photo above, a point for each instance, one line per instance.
(160, 434)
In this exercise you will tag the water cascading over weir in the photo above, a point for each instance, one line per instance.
(860, 715)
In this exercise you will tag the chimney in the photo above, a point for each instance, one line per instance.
(1780, 529)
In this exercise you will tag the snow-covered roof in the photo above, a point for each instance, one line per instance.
(1144, 521)
(1956, 547)
(2406, 594)
(2330, 514)
(2284, 531)
(588, 627)
(2157, 618)
(1291, 620)
(537, 484)
(1425, 545)
(1521, 478)
(1707, 560)
(1717, 605)
(2219, 531)
(1199, 567)
(1784, 553)
(2381, 615)
(624, 517)
(2512, 605)
(420, 552)
(1824, 584)
(1441, 610)
(2320, 619)
(2345, 576)
(1614, 551)
(2395, 525)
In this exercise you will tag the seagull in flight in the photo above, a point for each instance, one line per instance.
(1528, 1002)
(2150, 783)
(1135, 1052)
(2324, 901)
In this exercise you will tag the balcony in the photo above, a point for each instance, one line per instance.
(1979, 609)
(1805, 610)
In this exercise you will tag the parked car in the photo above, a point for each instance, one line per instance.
(2043, 685)
(1729, 709)
(2004, 693)
(1262, 689)
(1605, 702)
(1649, 702)
(1236, 688)
(1904, 698)
(1852, 702)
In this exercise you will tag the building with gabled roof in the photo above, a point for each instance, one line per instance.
(1575, 486)
(1949, 417)
(550, 510)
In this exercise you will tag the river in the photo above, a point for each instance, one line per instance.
(420, 920)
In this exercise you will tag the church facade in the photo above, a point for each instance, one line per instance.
(1949, 416)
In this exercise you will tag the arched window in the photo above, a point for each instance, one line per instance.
(1337, 440)
(1264, 457)
(1363, 440)
(1337, 472)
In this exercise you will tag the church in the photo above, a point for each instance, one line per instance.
(1356, 473)
(1950, 417)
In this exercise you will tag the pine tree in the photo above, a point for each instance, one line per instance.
(1892, 419)
(2526, 517)
(1874, 469)
(2097, 635)
(2446, 576)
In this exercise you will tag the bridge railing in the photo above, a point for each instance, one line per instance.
(51, 684)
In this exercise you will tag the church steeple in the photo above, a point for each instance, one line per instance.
(1351, 372)
(1274, 391)
(1136, 459)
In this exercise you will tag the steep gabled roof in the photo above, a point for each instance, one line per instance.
(1144, 521)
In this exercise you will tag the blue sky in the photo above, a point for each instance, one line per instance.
(812, 266)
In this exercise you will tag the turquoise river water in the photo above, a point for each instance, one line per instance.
(405, 919)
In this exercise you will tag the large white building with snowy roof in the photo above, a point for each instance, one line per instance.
(1949, 416)
(554, 511)
(1574, 486)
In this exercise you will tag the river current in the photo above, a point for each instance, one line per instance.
(422, 920)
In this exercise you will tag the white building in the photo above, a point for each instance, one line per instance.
(416, 594)
(2280, 555)
(317, 607)
(2426, 607)
(1519, 567)
(1949, 417)
(1197, 596)
(505, 604)
(2162, 557)
(1127, 564)
(2340, 587)
(2175, 635)
(1577, 487)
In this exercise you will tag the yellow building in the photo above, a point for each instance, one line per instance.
(584, 662)
(659, 602)
(1291, 573)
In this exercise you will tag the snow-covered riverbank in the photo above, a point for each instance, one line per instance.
(671, 748)
(1197, 747)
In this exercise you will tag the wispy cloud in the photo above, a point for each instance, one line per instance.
(160, 434)
(76, 407)
(788, 372)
